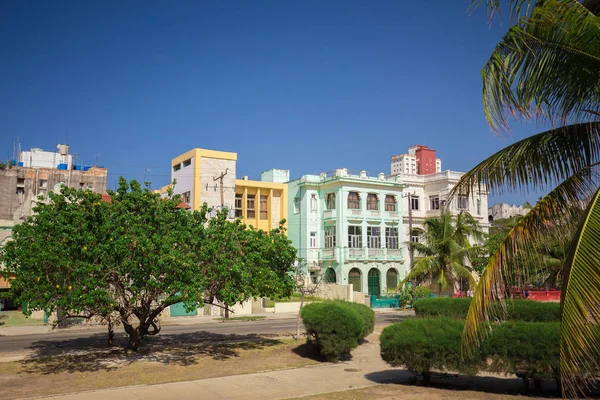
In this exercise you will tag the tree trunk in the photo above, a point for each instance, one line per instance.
(111, 332)
(426, 377)
(298, 319)
(135, 336)
(226, 311)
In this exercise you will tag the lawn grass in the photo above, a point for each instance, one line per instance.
(243, 318)
(399, 392)
(163, 362)
(17, 318)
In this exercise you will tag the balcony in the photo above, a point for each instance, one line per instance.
(392, 214)
(312, 255)
(375, 254)
(375, 214)
(356, 253)
(327, 254)
(328, 214)
(356, 213)
(433, 213)
(379, 254)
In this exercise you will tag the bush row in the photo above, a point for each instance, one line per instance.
(529, 350)
(336, 327)
(518, 310)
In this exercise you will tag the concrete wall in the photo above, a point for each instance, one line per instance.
(288, 307)
(275, 175)
(332, 291)
(209, 189)
(185, 180)
(21, 186)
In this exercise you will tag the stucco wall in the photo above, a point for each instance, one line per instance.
(210, 168)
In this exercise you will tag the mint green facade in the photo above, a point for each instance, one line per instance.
(364, 216)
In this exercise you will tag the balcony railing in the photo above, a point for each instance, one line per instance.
(327, 213)
(375, 213)
(392, 214)
(378, 254)
(356, 212)
(327, 254)
(313, 254)
(375, 253)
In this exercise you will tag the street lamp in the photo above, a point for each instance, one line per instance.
(409, 196)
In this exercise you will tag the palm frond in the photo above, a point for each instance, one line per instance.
(495, 281)
(461, 271)
(579, 338)
(545, 67)
(537, 162)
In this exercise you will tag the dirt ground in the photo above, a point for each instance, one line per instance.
(400, 392)
(158, 362)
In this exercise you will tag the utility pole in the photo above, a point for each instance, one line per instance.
(410, 249)
(220, 179)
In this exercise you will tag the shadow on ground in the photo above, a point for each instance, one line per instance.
(309, 350)
(1, 318)
(92, 353)
(454, 382)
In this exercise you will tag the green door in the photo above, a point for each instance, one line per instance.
(178, 310)
(374, 282)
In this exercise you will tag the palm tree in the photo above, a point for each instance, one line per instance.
(545, 68)
(445, 250)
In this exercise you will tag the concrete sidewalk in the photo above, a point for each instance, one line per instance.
(365, 369)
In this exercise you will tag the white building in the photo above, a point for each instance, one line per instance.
(426, 194)
(505, 210)
(38, 158)
(420, 160)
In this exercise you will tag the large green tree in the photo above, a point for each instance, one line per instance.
(545, 68)
(444, 252)
(132, 256)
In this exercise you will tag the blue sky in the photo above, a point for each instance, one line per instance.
(307, 86)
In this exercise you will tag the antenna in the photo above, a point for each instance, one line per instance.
(96, 159)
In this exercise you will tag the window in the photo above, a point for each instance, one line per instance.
(373, 237)
(478, 206)
(313, 240)
(463, 202)
(20, 181)
(414, 203)
(353, 201)
(238, 205)
(176, 167)
(296, 205)
(354, 236)
(414, 238)
(185, 197)
(187, 163)
(330, 201)
(263, 207)
(372, 202)
(43, 183)
(390, 203)
(391, 238)
(330, 237)
(434, 202)
(313, 203)
(250, 203)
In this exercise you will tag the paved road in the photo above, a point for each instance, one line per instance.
(74, 339)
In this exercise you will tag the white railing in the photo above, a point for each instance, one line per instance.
(356, 212)
(375, 253)
(327, 213)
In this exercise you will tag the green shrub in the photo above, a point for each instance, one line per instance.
(334, 326)
(422, 292)
(519, 310)
(423, 345)
(367, 315)
(442, 307)
(533, 311)
(528, 349)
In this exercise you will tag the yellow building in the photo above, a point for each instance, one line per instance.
(209, 176)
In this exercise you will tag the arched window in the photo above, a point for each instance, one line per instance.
(391, 278)
(372, 202)
(354, 279)
(374, 282)
(390, 203)
(353, 201)
(330, 276)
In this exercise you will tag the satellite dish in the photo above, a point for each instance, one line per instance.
(231, 214)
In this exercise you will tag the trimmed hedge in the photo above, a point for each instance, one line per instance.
(521, 310)
(367, 315)
(335, 327)
(423, 345)
(442, 307)
(529, 350)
